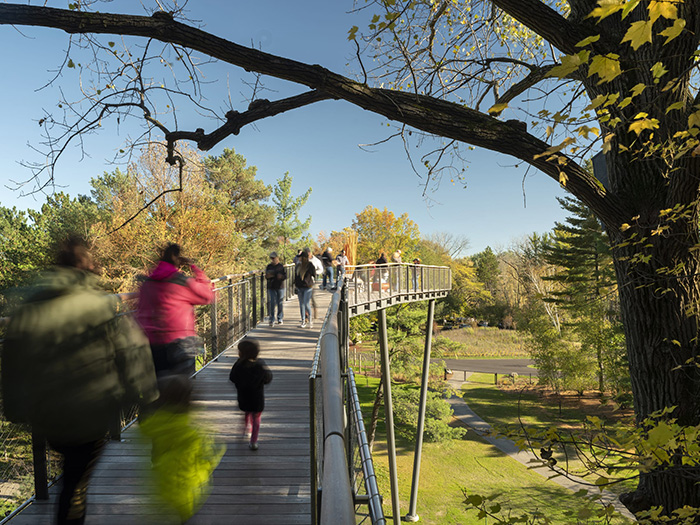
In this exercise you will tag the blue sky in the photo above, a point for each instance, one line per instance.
(318, 145)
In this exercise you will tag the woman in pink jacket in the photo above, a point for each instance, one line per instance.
(166, 311)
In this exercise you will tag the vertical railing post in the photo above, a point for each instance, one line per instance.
(389, 416)
(263, 302)
(230, 335)
(255, 301)
(412, 516)
(41, 478)
(214, 327)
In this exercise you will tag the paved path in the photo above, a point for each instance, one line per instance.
(467, 416)
(521, 367)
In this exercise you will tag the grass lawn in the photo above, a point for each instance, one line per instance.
(469, 464)
(481, 342)
(507, 409)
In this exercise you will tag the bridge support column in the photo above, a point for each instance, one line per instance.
(412, 516)
(389, 415)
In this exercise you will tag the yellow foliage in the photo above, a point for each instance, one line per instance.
(639, 33)
(569, 64)
(672, 32)
(607, 67)
(659, 8)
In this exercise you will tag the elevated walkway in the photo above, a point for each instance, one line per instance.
(271, 485)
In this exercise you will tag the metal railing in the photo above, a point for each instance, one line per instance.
(370, 282)
(28, 468)
(335, 478)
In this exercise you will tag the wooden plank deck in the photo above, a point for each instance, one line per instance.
(270, 485)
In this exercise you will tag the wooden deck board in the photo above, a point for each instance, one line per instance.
(270, 485)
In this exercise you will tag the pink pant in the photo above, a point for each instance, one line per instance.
(252, 422)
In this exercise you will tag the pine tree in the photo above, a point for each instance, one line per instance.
(289, 227)
(581, 251)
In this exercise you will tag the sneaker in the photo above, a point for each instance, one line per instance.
(272, 323)
(253, 446)
(303, 324)
(280, 322)
(311, 324)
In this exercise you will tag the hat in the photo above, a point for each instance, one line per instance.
(273, 255)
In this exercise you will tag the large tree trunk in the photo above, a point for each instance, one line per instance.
(660, 314)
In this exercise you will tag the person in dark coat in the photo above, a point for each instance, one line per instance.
(250, 375)
(70, 363)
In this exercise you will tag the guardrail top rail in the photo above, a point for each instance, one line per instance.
(375, 286)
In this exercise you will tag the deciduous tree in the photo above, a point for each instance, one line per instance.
(475, 73)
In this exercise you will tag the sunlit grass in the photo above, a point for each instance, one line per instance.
(468, 464)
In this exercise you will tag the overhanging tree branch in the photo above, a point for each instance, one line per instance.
(425, 113)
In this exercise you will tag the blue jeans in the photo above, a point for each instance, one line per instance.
(304, 295)
(275, 298)
(327, 273)
(339, 278)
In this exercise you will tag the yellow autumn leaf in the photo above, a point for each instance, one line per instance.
(674, 106)
(641, 123)
(658, 70)
(555, 149)
(624, 227)
(497, 109)
(596, 102)
(661, 8)
(569, 64)
(625, 102)
(694, 120)
(637, 89)
(607, 142)
(672, 32)
(588, 40)
(563, 179)
(629, 7)
(606, 8)
(639, 33)
(583, 131)
(607, 67)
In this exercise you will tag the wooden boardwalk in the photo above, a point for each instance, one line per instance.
(270, 485)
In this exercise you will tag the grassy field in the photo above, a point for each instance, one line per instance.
(509, 408)
(482, 342)
(470, 465)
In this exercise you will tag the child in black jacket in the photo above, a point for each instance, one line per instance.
(250, 375)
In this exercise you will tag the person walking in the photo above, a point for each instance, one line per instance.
(250, 375)
(341, 261)
(275, 274)
(304, 283)
(327, 260)
(396, 270)
(70, 364)
(165, 311)
(318, 265)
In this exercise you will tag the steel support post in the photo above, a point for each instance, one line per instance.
(412, 516)
(231, 329)
(389, 415)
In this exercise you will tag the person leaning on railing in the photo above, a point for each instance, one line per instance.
(70, 364)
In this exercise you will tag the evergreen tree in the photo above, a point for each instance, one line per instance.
(288, 226)
(581, 253)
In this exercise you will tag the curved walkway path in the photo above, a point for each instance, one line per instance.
(469, 418)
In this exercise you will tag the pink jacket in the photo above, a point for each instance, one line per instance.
(166, 299)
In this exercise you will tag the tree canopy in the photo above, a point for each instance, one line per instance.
(543, 81)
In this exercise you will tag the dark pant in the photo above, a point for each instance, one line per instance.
(177, 357)
(78, 464)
